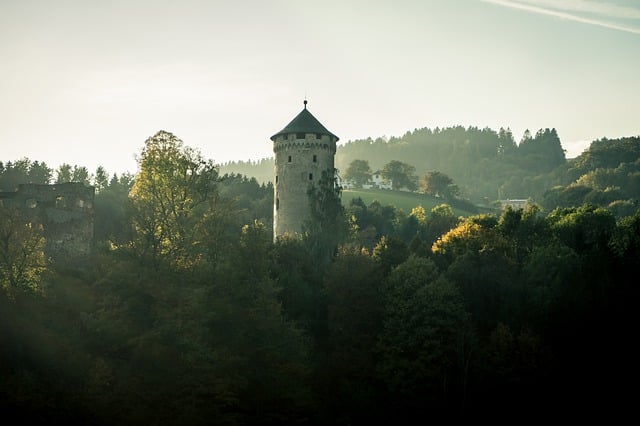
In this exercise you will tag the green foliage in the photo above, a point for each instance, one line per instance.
(390, 252)
(543, 152)
(80, 174)
(583, 228)
(22, 257)
(420, 214)
(249, 199)
(481, 262)
(186, 348)
(446, 316)
(438, 184)
(623, 208)
(64, 173)
(422, 328)
(569, 196)
(300, 288)
(261, 170)
(516, 360)
(480, 161)
(440, 220)
(328, 225)
(39, 173)
(608, 153)
(247, 328)
(626, 239)
(23, 170)
(547, 272)
(524, 228)
(401, 175)
(506, 143)
(173, 182)
(466, 236)
(354, 294)
(399, 200)
(488, 165)
(114, 213)
(358, 172)
(101, 179)
(372, 221)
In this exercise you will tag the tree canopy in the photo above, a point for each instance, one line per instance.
(400, 174)
(358, 172)
(173, 182)
(188, 312)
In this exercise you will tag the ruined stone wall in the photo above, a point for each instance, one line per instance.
(66, 212)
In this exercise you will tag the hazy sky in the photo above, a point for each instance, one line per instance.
(87, 82)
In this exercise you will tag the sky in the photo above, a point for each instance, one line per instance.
(86, 82)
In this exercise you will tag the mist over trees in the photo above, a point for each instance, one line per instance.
(487, 165)
(187, 311)
(484, 163)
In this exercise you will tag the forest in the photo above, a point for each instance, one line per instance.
(188, 312)
(488, 165)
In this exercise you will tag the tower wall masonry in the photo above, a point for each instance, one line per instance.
(299, 163)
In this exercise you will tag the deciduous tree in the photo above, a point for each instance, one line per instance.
(401, 175)
(328, 225)
(173, 182)
(423, 324)
(358, 172)
(22, 257)
(438, 184)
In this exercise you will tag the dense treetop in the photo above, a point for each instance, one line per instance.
(188, 312)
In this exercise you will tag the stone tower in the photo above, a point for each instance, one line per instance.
(303, 150)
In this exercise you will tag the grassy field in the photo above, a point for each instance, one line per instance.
(401, 200)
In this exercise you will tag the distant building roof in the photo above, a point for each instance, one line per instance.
(516, 204)
(304, 122)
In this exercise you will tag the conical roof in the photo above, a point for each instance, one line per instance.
(304, 122)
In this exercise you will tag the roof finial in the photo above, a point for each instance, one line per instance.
(305, 104)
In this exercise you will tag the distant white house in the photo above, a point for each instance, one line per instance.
(376, 181)
(514, 204)
(345, 184)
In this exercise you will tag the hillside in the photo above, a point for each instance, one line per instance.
(487, 165)
(404, 201)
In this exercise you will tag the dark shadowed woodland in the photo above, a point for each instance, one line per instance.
(185, 311)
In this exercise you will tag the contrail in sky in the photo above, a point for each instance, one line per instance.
(572, 7)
